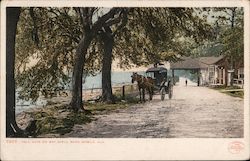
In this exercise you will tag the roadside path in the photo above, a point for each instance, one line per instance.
(194, 112)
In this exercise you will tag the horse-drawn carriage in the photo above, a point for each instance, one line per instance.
(156, 82)
(162, 83)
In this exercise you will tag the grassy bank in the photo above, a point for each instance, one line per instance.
(119, 104)
(234, 91)
(55, 120)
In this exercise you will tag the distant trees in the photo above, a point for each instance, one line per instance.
(233, 39)
(155, 34)
(228, 27)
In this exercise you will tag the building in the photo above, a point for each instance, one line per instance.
(210, 70)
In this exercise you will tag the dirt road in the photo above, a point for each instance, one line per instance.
(194, 112)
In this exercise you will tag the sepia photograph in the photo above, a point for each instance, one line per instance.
(96, 72)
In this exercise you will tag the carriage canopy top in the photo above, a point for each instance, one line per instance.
(157, 69)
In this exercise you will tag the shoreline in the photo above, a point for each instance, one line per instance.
(88, 95)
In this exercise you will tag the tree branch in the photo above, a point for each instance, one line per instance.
(114, 20)
(35, 37)
(123, 23)
(100, 22)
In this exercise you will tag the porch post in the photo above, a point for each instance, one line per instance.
(226, 72)
(198, 77)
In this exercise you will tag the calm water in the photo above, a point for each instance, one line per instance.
(117, 78)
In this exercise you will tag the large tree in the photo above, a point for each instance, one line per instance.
(73, 35)
(82, 40)
(107, 36)
(90, 30)
(148, 35)
(108, 42)
(11, 26)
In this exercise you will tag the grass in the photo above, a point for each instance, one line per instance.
(68, 123)
(119, 104)
(59, 119)
(52, 120)
(224, 89)
(235, 93)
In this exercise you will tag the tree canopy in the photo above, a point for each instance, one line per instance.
(50, 36)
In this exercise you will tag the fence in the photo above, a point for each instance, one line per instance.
(121, 91)
(126, 90)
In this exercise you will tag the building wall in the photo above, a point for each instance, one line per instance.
(221, 75)
(204, 76)
(212, 75)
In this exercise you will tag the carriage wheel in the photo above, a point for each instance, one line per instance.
(170, 92)
(162, 92)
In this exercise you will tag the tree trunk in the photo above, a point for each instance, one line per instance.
(12, 130)
(231, 58)
(108, 40)
(81, 51)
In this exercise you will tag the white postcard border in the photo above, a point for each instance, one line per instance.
(124, 149)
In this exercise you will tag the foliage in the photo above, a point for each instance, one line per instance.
(47, 66)
(232, 34)
(158, 34)
(228, 27)
(43, 66)
(233, 45)
(48, 38)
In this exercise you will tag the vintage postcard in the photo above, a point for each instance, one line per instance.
(125, 80)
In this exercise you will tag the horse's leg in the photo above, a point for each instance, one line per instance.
(150, 93)
(143, 94)
(140, 93)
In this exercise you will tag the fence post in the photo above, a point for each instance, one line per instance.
(92, 88)
(123, 92)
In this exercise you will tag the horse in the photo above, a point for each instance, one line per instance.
(143, 83)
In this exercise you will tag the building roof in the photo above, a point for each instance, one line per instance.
(210, 60)
(157, 69)
(194, 63)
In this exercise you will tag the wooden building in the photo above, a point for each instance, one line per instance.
(210, 70)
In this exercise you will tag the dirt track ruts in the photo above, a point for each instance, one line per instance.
(194, 112)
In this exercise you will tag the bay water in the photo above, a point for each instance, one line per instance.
(91, 82)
